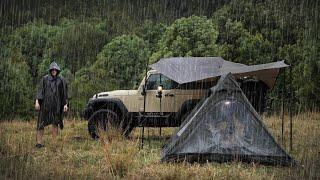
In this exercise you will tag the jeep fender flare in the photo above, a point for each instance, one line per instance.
(114, 104)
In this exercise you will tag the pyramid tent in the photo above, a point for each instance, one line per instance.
(224, 127)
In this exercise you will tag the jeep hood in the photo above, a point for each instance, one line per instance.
(117, 93)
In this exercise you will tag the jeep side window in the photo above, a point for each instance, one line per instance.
(154, 81)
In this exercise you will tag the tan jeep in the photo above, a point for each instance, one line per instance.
(158, 102)
(162, 102)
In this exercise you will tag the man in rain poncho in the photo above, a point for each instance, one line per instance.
(51, 102)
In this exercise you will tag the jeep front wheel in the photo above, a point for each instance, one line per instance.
(100, 120)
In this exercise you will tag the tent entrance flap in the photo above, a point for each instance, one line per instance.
(225, 127)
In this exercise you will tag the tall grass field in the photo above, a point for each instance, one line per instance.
(74, 155)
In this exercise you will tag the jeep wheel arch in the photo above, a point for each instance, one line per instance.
(113, 104)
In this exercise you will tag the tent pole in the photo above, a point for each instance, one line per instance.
(290, 105)
(283, 103)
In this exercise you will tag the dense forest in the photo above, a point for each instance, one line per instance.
(104, 45)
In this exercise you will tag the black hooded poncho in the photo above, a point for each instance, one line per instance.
(52, 96)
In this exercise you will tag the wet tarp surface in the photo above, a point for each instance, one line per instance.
(189, 69)
(225, 127)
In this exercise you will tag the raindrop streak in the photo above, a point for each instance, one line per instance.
(105, 47)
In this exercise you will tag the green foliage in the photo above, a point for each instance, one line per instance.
(193, 36)
(75, 34)
(15, 93)
(122, 61)
(77, 44)
(31, 42)
(151, 32)
(307, 76)
(230, 36)
(119, 65)
(84, 86)
(238, 45)
(254, 49)
(263, 31)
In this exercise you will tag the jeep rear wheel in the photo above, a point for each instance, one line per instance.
(100, 120)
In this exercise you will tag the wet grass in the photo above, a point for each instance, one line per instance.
(75, 155)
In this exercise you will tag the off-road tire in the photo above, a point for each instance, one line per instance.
(100, 120)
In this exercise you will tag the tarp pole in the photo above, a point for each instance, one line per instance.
(144, 108)
(149, 138)
(160, 107)
(142, 137)
(283, 103)
(290, 106)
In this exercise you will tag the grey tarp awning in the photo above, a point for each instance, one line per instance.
(189, 69)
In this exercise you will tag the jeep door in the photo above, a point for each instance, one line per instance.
(164, 104)
(193, 92)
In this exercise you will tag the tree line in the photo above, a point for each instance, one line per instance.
(106, 50)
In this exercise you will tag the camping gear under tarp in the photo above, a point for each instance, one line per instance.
(189, 69)
(224, 127)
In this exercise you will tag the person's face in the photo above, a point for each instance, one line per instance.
(54, 72)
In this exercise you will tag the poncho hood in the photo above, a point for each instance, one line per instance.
(54, 65)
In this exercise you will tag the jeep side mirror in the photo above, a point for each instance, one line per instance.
(143, 92)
